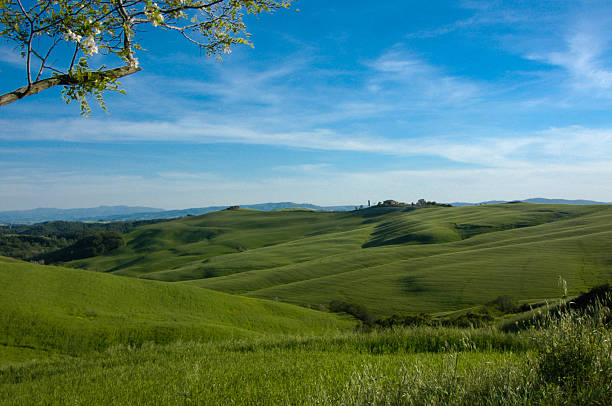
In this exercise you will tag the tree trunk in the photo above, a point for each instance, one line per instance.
(44, 84)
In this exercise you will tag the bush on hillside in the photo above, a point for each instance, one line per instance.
(471, 319)
(356, 310)
(505, 304)
(479, 318)
(405, 320)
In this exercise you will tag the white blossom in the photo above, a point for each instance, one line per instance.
(71, 36)
(90, 46)
(153, 15)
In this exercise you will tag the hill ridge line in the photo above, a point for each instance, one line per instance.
(415, 259)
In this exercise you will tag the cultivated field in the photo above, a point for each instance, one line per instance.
(427, 260)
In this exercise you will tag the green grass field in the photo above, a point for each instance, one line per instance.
(428, 260)
(194, 336)
(399, 367)
(189, 373)
(71, 311)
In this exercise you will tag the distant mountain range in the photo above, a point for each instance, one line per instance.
(118, 213)
(196, 211)
(50, 214)
(538, 200)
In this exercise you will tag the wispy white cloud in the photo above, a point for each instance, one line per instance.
(576, 143)
(187, 175)
(488, 14)
(235, 83)
(582, 59)
(306, 168)
(399, 67)
(565, 144)
(295, 93)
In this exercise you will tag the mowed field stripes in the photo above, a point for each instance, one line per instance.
(390, 260)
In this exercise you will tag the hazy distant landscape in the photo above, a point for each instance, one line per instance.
(131, 213)
(126, 213)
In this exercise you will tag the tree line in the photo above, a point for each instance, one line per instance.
(61, 241)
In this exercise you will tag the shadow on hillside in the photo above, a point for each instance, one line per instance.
(379, 239)
(125, 265)
(409, 284)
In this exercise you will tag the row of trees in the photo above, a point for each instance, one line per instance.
(421, 203)
(39, 242)
(90, 246)
(479, 317)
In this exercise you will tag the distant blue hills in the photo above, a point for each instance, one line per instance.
(50, 214)
(538, 200)
(132, 213)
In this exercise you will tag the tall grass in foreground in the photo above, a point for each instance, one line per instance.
(571, 364)
(568, 362)
(575, 356)
(396, 341)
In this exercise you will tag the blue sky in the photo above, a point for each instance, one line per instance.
(338, 103)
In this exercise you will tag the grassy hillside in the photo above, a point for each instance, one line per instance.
(431, 260)
(194, 239)
(43, 307)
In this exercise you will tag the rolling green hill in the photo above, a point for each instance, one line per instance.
(70, 310)
(187, 242)
(390, 260)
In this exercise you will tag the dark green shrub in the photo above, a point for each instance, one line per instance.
(418, 319)
(505, 304)
(470, 319)
(356, 310)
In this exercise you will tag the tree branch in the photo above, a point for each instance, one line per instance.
(200, 6)
(59, 80)
(76, 51)
(44, 60)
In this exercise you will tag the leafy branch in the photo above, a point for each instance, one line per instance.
(73, 31)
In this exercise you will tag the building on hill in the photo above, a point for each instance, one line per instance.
(390, 203)
(233, 208)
